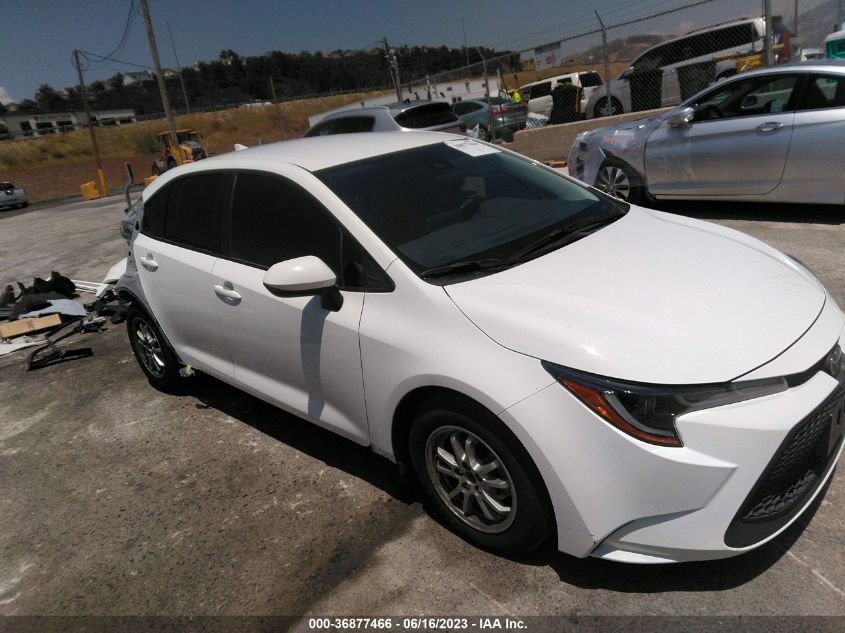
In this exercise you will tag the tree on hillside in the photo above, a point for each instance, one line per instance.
(48, 98)
(27, 105)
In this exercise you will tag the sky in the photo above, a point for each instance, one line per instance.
(36, 45)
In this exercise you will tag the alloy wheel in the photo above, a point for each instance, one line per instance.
(149, 348)
(614, 181)
(471, 479)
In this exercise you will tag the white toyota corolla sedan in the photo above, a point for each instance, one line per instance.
(546, 359)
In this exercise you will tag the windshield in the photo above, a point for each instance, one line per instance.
(439, 204)
(184, 137)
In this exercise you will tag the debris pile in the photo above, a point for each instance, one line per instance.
(49, 311)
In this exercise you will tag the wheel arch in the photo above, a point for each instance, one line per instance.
(130, 297)
(610, 158)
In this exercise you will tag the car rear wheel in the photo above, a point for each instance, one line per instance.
(600, 108)
(479, 480)
(620, 181)
(153, 353)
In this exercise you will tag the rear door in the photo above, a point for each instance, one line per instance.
(176, 251)
(814, 152)
(737, 143)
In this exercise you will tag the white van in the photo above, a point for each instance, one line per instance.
(538, 94)
(696, 47)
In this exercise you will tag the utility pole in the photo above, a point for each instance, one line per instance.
(390, 55)
(608, 106)
(768, 49)
(276, 106)
(795, 25)
(159, 76)
(88, 121)
(487, 93)
(179, 68)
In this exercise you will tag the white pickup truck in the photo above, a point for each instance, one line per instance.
(12, 197)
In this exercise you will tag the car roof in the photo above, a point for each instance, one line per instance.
(313, 154)
(811, 65)
(394, 108)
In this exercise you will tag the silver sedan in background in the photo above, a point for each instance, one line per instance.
(772, 135)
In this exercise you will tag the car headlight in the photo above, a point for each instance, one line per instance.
(648, 412)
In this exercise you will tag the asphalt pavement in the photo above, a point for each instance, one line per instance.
(116, 499)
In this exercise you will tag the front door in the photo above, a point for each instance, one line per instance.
(737, 143)
(289, 350)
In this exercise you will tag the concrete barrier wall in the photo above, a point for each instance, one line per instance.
(554, 141)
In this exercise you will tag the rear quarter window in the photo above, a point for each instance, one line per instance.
(194, 211)
(427, 115)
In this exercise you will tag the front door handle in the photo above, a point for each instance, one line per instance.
(149, 263)
(227, 292)
(771, 126)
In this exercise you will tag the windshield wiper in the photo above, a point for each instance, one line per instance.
(464, 266)
(562, 236)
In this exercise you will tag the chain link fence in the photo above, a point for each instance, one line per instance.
(635, 57)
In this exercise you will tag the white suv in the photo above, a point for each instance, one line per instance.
(543, 357)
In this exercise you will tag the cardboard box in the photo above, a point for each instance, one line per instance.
(28, 326)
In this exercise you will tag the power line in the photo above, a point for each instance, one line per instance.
(125, 30)
(106, 58)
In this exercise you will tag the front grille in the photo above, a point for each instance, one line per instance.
(791, 477)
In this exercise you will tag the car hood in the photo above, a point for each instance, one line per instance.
(651, 298)
(622, 137)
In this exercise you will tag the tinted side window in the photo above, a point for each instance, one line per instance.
(274, 219)
(193, 211)
(824, 92)
(750, 97)
(427, 115)
(321, 129)
(588, 80)
(152, 223)
(353, 124)
(541, 90)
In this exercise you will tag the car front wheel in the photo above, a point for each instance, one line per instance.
(479, 480)
(621, 181)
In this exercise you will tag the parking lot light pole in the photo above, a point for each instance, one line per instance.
(608, 106)
(464, 31)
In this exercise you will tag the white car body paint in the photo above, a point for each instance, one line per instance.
(649, 298)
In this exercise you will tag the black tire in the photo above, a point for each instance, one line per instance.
(157, 353)
(533, 517)
(636, 193)
(485, 133)
(725, 74)
(598, 109)
(24, 204)
(171, 163)
(155, 170)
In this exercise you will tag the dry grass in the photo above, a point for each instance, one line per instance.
(219, 129)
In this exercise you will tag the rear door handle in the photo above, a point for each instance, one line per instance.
(149, 263)
(227, 292)
(771, 126)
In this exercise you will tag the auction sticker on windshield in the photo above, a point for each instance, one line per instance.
(471, 147)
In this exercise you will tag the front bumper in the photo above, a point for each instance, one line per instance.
(620, 499)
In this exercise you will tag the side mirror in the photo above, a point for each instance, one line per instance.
(681, 117)
(302, 277)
